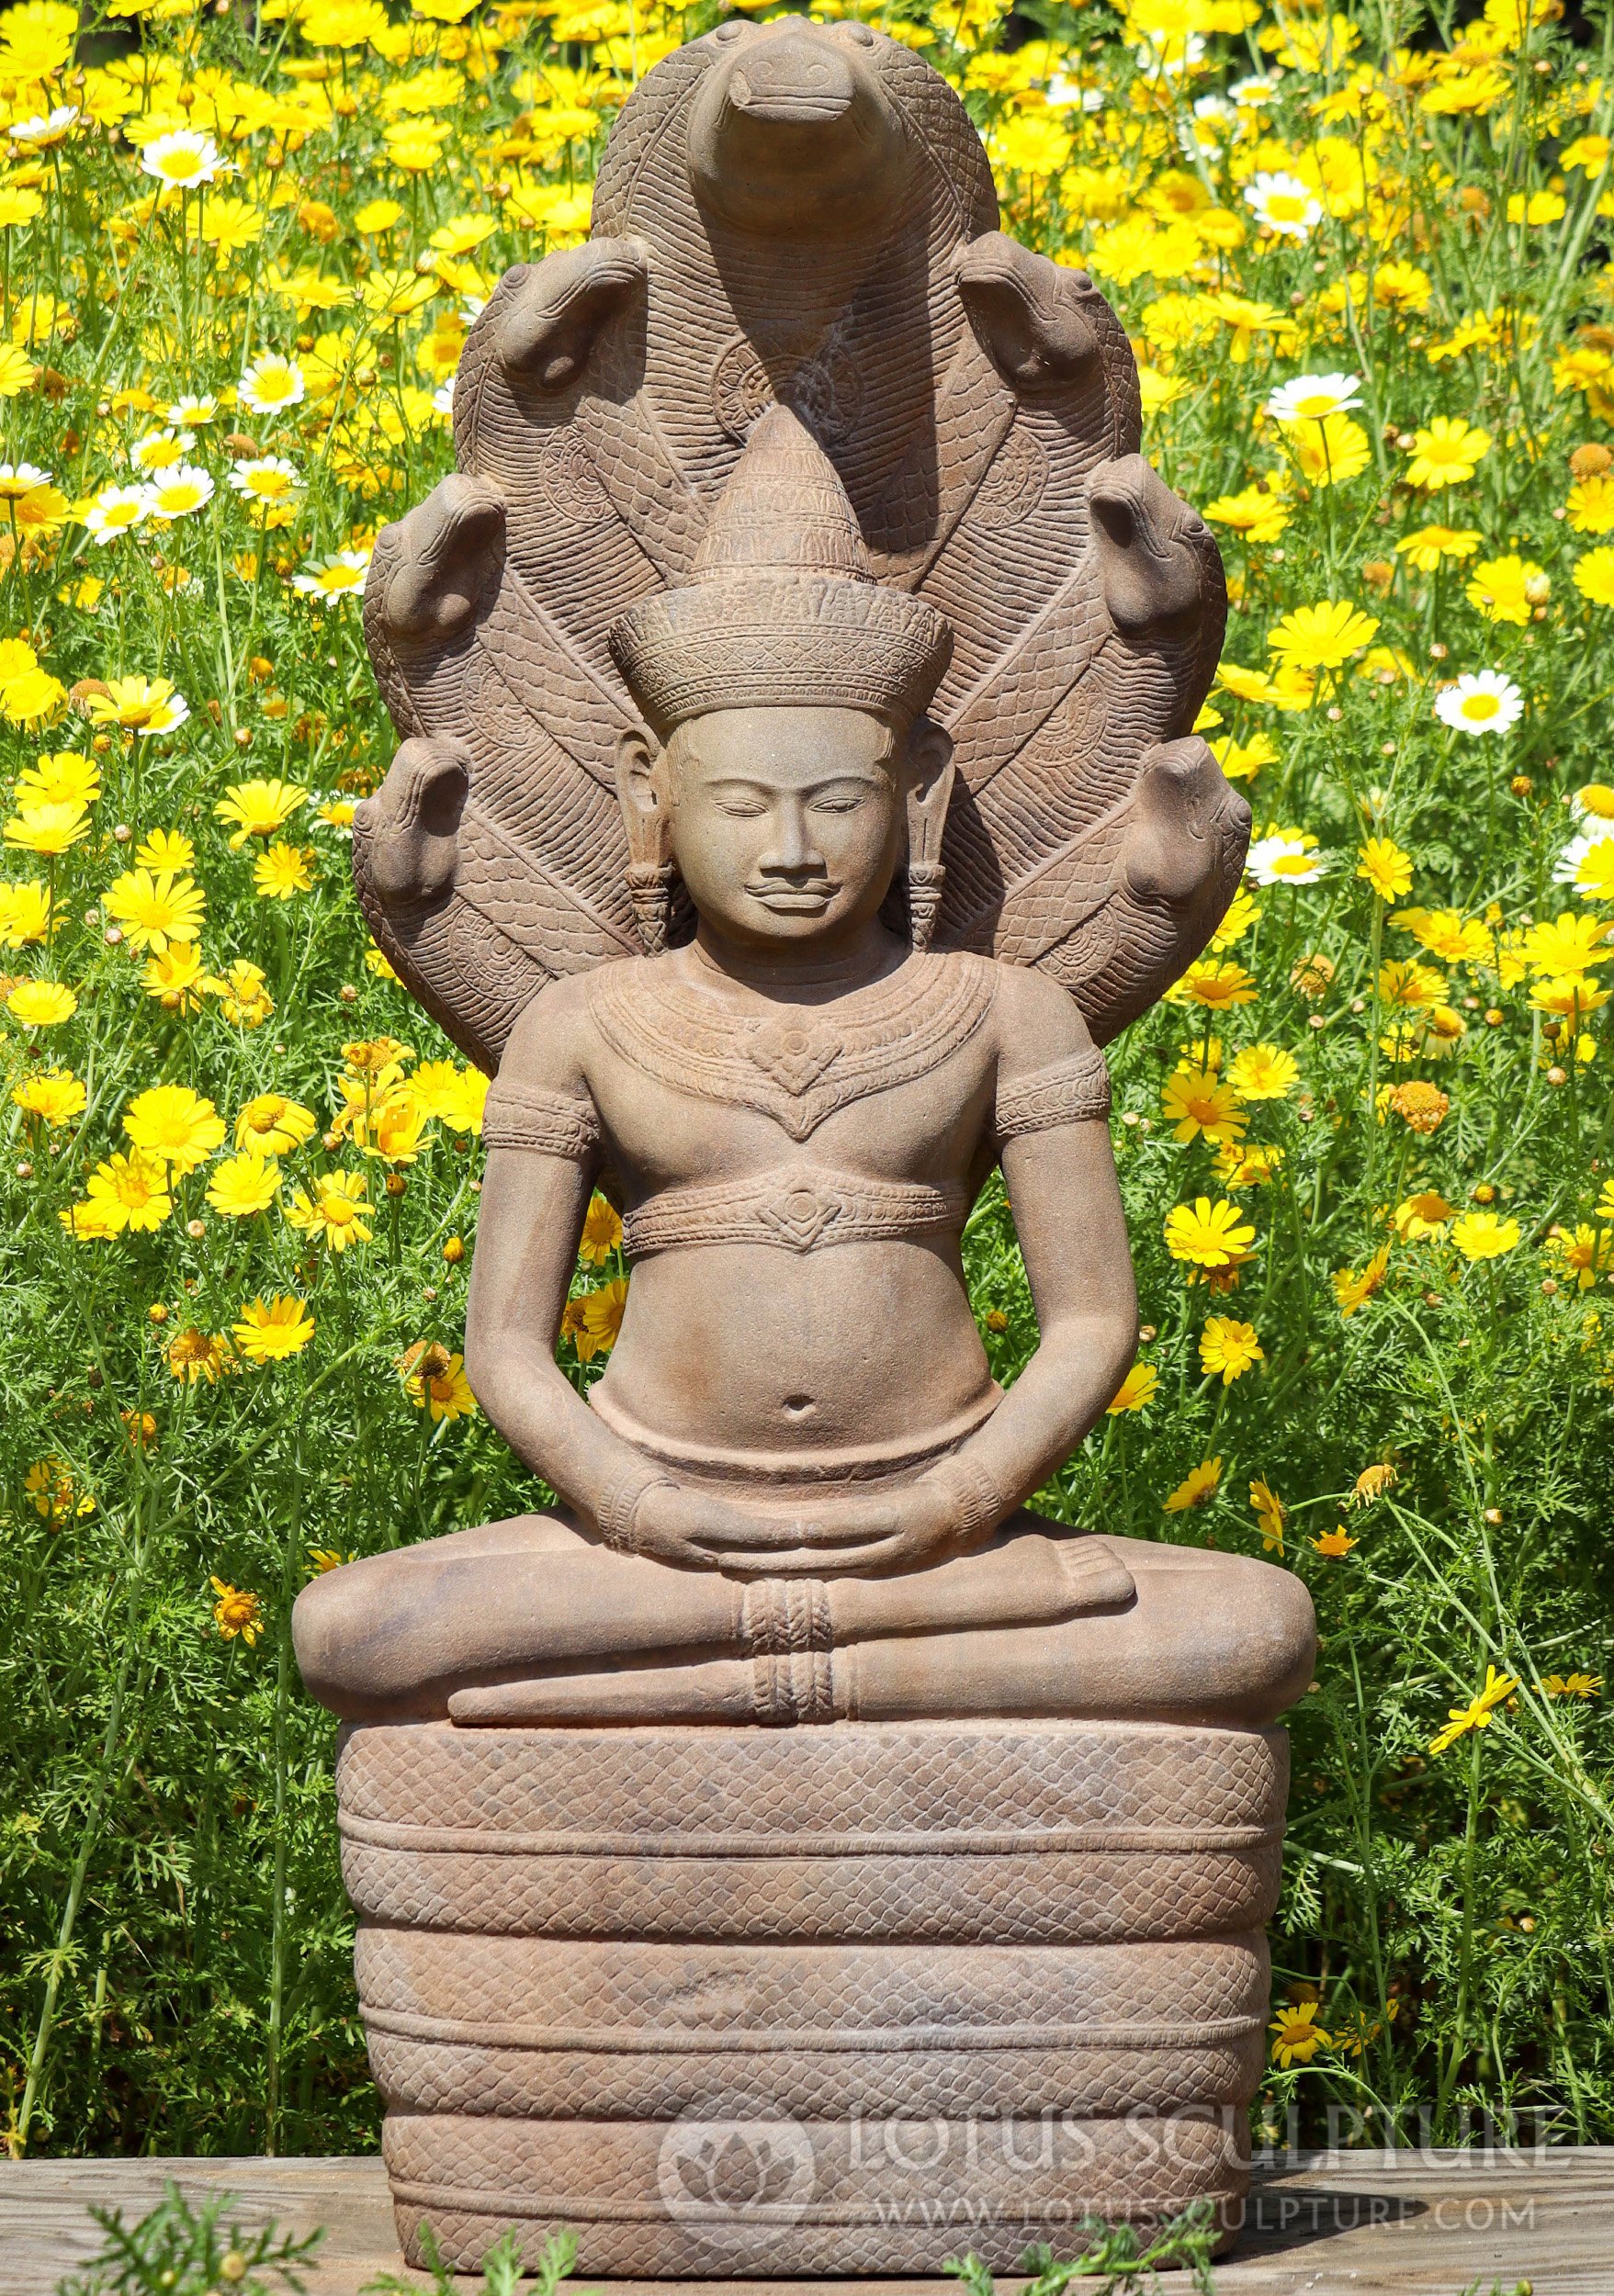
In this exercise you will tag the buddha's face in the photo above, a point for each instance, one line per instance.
(787, 824)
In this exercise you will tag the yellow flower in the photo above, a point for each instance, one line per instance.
(1197, 1488)
(138, 705)
(258, 808)
(435, 1377)
(129, 1192)
(1421, 1106)
(54, 1096)
(1136, 1391)
(48, 828)
(1508, 590)
(1241, 760)
(60, 777)
(1450, 450)
(195, 1356)
(1386, 868)
(1353, 1290)
(176, 978)
(269, 1330)
(1321, 636)
(1259, 512)
(602, 1232)
(237, 1613)
(1591, 505)
(1418, 1217)
(1195, 1101)
(1412, 986)
(174, 1125)
(1570, 996)
(1594, 576)
(1336, 1544)
(1484, 1236)
(1228, 1348)
(273, 1125)
(1263, 1072)
(1217, 984)
(336, 1214)
(326, 1558)
(48, 1484)
(1332, 451)
(41, 1004)
(1576, 1685)
(283, 872)
(1476, 1714)
(242, 997)
(1566, 943)
(1430, 545)
(593, 1319)
(1446, 934)
(243, 1185)
(1584, 1254)
(1371, 1484)
(156, 910)
(165, 848)
(25, 915)
(1299, 2036)
(1271, 1515)
(1208, 1235)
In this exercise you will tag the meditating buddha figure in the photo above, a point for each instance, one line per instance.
(796, 1494)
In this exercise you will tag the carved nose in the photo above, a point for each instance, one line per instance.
(792, 78)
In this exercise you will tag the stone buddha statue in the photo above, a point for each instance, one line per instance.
(797, 1493)
(796, 683)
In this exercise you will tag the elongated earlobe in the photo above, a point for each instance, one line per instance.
(650, 870)
(929, 790)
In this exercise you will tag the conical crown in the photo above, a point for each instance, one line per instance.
(781, 607)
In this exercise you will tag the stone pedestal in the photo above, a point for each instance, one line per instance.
(816, 2001)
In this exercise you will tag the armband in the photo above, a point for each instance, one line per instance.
(547, 1123)
(619, 1503)
(1068, 1093)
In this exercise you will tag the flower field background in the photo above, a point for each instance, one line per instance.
(1367, 260)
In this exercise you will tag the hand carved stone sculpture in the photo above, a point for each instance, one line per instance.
(797, 788)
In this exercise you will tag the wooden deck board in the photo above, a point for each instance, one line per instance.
(1346, 2224)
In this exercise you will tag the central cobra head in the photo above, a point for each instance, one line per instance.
(792, 131)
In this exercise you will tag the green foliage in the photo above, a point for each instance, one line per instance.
(181, 1977)
(503, 2270)
(178, 2250)
(1123, 2261)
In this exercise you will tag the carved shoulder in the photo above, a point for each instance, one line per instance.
(540, 1100)
(1049, 1069)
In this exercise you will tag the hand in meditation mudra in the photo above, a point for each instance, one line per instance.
(796, 1494)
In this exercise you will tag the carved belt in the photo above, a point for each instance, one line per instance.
(799, 1207)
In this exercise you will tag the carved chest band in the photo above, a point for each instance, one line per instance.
(799, 1207)
(795, 1064)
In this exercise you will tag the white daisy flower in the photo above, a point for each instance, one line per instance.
(160, 450)
(1287, 858)
(1251, 94)
(1172, 54)
(443, 400)
(18, 479)
(1287, 206)
(178, 492)
(271, 384)
(270, 479)
(1312, 398)
(183, 158)
(116, 510)
(184, 412)
(39, 133)
(166, 717)
(1481, 703)
(334, 578)
(1070, 96)
(471, 310)
(1576, 851)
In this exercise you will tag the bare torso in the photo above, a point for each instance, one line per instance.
(802, 1354)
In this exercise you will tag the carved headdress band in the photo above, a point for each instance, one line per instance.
(781, 607)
